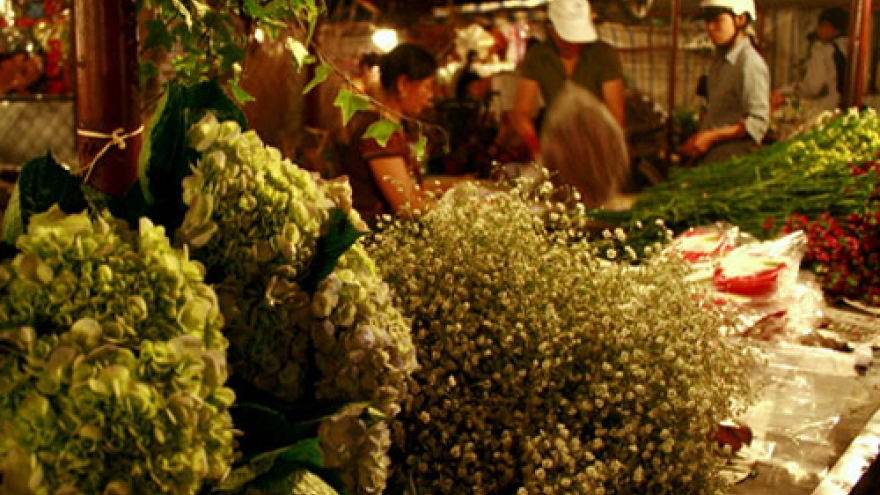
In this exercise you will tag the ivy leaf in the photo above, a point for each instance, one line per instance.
(239, 93)
(339, 237)
(421, 145)
(322, 72)
(350, 104)
(381, 131)
(298, 52)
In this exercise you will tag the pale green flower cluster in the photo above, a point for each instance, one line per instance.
(255, 220)
(357, 445)
(112, 363)
(363, 347)
(248, 208)
(546, 369)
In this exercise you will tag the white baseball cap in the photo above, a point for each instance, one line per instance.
(573, 20)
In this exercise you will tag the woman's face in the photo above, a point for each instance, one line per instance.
(415, 95)
(721, 28)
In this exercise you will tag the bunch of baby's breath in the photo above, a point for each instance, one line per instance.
(546, 369)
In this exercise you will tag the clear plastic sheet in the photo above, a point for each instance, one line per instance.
(806, 392)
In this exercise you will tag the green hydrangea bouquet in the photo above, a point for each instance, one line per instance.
(546, 369)
(112, 363)
(305, 329)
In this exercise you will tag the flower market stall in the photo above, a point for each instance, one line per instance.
(203, 315)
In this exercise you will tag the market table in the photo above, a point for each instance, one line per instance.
(817, 425)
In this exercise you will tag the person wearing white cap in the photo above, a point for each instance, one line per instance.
(573, 53)
(737, 86)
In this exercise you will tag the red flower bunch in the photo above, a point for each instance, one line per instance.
(844, 250)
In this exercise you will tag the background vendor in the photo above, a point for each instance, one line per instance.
(737, 87)
(573, 53)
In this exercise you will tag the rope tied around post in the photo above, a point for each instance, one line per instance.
(116, 138)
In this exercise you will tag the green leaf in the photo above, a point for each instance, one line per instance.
(254, 419)
(158, 35)
(282, 470)
(421, 145)
(322, 72)
(42, 183)
(148, 70)
(298, 52)
(350, 104)
(339, 237)
(307, 483)
(381, 131)
(209, 95)
(165, 156)
(239, 93)
(12, 219)
(254, 9)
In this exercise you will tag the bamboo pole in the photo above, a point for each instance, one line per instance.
(108, 117)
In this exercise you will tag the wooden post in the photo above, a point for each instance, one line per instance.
(108, 117)
(864, 38)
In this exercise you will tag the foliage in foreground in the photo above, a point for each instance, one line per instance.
(548, 370)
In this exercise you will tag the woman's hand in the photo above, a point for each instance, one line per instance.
(697, 145)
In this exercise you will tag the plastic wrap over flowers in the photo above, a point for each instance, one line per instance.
(545, 369)
(112, 363)
(255, 220)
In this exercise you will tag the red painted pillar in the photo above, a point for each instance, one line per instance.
(108, 117)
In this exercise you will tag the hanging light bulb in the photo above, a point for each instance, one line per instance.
(385, 39)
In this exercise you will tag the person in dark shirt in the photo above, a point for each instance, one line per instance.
(386, 178)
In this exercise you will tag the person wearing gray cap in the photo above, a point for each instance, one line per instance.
(573, 53)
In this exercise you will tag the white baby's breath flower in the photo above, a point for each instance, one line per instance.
(560, 365)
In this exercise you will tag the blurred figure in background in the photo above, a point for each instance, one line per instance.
(584, 147)
(573, 53)
(823, 87)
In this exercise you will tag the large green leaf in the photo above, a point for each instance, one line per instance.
(165, 156)
(339, 237)
(42, 182)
